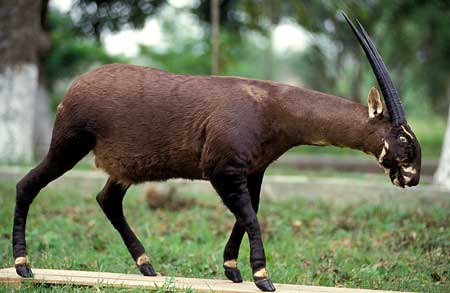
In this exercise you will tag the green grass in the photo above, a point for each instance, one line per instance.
(393, 247)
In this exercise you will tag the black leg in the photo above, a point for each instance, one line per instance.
(231, 251)
(110, 200)
(231, 185)
(56, 163)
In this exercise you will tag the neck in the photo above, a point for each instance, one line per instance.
(314, 118)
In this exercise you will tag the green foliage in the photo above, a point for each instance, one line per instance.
(413, 38)
(93, 17)
(186, 53)
(398, 245)
(70, 53)
(190, 53)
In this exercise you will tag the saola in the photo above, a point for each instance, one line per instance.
(145, 124)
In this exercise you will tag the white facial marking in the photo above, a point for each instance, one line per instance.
(407, 179)
(397, 182)
(262, 273)
(21, 260)
(232, 263)
(142, 260)
(406, 131)
(409, 169)
(383, 152)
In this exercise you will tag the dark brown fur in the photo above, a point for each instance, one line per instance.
(145, 124)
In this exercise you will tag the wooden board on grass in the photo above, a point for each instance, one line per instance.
(101, 279)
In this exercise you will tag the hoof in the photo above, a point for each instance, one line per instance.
(233, 275)
(24, 271)
(265, 285)
(147, 270)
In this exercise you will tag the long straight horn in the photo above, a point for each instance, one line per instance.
(390, 94)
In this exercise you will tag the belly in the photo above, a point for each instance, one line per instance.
(132, 167)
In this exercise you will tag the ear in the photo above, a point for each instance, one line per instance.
(375, 104)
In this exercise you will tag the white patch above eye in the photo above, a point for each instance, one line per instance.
(406, 131)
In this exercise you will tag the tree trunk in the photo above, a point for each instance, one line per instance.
(21, 38)
(42, 130)
(442, 175)
(215, 36)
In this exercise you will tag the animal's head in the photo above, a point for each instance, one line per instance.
(400, 154)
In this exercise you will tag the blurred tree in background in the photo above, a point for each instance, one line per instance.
(70, 54)
(94, 17)
(23, 43)
(413, 38)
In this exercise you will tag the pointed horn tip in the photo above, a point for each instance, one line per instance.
(345, 16)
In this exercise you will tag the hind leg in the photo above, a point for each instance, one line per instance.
(61, 157)
(110, 200)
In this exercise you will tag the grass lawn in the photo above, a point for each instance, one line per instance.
(391, 246)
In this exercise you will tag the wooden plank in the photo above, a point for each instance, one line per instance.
(101, 279)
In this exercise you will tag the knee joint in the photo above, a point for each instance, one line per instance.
(24, 196)
(248, 221)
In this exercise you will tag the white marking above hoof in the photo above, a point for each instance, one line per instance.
(21, 260)
(232, 264)
(262, 273)
(142, 259)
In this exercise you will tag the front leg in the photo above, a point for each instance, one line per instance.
(231, 251)
(231, 185)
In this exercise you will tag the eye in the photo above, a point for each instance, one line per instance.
(402, 139)
(387, 163)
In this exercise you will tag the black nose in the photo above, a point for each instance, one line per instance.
(414, 181)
